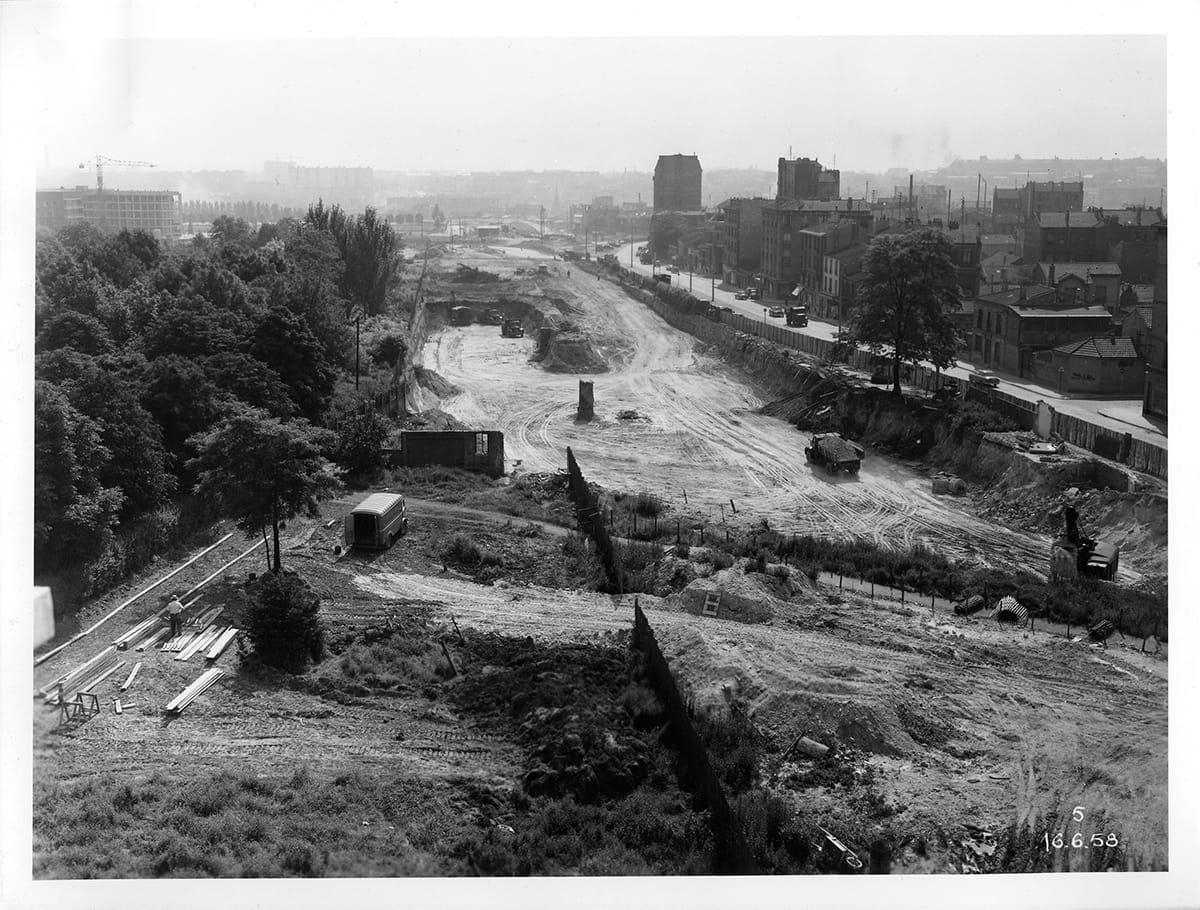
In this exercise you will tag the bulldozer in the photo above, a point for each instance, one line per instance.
(1073, 555)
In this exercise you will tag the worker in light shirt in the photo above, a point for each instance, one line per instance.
(175, 614)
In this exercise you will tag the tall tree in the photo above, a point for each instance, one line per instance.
(73, 511)
(906, 299)
(138, 460)
(283, 341)
(262, 471)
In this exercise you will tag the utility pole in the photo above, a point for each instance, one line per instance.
(356, 316)
(541, 224)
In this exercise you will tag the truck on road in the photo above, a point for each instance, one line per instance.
(835, 452)
(797, 316)
(512, 328)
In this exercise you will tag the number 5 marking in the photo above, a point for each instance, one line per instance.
(1078, 814)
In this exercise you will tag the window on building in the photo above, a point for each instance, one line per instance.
(481, 443)
(979, 319)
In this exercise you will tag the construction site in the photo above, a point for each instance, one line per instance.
(491, 697)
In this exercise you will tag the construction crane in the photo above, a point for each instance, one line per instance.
(101, 160)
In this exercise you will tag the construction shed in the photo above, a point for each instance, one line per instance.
(471, 450)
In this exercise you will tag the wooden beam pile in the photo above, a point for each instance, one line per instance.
(153, 639)
(86, 680)
(141, 630)
(70, 679)
(199, 626)
(202, 640)
(185, 698)
(222, 643)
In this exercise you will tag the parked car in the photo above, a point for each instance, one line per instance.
(740, 295)
(776, 312)
(673, 269)
(753, 293)
(984, 377)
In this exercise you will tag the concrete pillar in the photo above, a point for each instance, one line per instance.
(1045, 418)
(587, 401)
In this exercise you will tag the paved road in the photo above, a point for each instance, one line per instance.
(1098, 411)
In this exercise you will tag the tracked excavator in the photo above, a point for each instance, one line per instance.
(1074, 555)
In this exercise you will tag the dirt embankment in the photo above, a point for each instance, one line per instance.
(1009, 485)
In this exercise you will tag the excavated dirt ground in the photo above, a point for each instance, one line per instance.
(960, 726)
(698, 433)
(955, 722)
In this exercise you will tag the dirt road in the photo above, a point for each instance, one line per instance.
(698, 432)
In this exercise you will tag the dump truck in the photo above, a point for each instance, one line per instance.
(494, 317)
(512, 328)
(377, 521)
(797, 316)
(835, 452)
(461, 315)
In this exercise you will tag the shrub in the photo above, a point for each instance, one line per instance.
(361, 434)
(389, 349)
(282, 621)
(462, 551)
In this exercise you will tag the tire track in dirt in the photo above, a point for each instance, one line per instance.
(701, 435)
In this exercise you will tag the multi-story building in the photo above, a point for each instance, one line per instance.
(807, 178)
(1051, 196)
(1062, 237)
(742, 239)
(1010, 326)
(1154, 403)
(158, 212)
(815, 243)
(1127, 236)
(968, 247)
(1012, 207)
(839, 282)
(784, 219)
(677, 181)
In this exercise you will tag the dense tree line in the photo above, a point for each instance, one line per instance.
(150, 359)
(254, 212)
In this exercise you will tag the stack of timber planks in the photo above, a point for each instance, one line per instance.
(90, 672)
(185, 698)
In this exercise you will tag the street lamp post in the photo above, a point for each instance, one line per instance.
(356, 316)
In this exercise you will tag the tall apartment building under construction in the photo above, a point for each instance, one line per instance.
(158, 212)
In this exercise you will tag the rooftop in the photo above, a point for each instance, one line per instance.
(1081, 220)
(1144, 217)
(1103, 347)
(1012, 296)
(1082, 270)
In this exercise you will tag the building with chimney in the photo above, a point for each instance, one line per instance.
(1087, 282)
(1011, 326)
(677, 183)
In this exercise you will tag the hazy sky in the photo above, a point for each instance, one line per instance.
(597, 104)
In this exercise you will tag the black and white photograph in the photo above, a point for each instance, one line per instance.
(532, 456)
